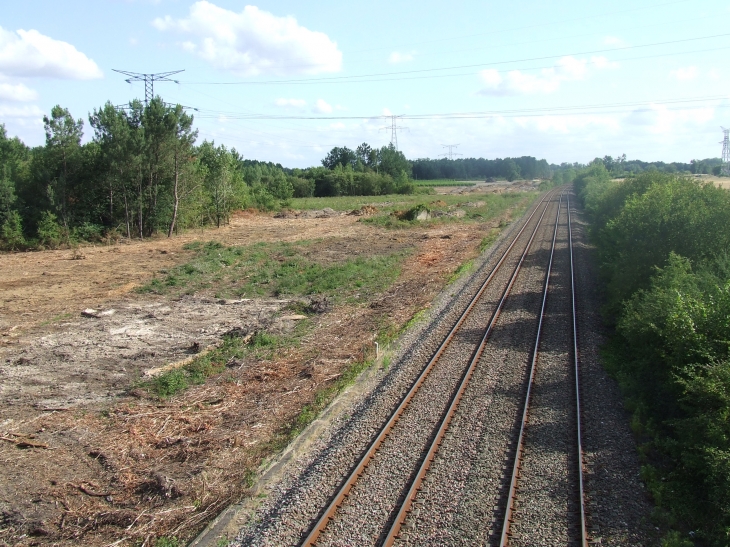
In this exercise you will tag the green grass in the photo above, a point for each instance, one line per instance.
(492, 205)
(443, 182)
(490, 238)
(276, 269)
(348, 203)
(461, 270)
(174, 381)
(261, 345)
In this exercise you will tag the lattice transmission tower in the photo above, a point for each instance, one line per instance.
(726, 152)
(149, 81)
(450, 154)
(393, 127)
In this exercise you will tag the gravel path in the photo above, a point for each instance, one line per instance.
(458, 502)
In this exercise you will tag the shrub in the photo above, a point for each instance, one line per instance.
(11, 231)
(88, 232)
(49, 232)
(663, 246)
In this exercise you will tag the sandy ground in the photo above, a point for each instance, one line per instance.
(87, 459)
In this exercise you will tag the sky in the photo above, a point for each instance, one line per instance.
(286, 81)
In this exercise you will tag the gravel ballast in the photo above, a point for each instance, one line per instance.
(459, 502)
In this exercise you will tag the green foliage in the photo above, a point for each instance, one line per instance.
(88, 232)
(641, 221)
(302, 187)
(663, 244)
(214, 362)
(674, 539)
(461, 270)
(482, 169)
(167, 542)
(49, 232)
(413, 212)
(11, 231)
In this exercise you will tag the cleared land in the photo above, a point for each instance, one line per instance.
(267, 319)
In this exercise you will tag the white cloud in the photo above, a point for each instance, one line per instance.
(18, 93)
(33, 112)
(28, 53)
(298, 103)
(398, 57)
(323, 107)
(685, 73)
(253, 41)
(548, 80)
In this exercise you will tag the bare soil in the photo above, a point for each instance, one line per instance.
(89, 459)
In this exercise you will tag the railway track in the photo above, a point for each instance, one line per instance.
(325, 529)
(577, 527)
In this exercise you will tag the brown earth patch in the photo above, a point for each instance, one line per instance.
(121, 466)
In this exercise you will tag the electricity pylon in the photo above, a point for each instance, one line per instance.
(149, 81)
(394, 129)
(450, 154)
(725, 152)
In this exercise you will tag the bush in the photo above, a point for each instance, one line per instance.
(11, 231)
(261, 199)
(303, 188)
(49, 232)
(88, 232)
(663, 245)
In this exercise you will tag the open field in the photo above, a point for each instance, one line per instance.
(720, 182)
(266, 320)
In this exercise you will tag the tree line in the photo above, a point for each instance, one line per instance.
(663, 244)
(525, 167)
(142, 173)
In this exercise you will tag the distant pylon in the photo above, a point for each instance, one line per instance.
(725, 152)
(450, 154)
(149, 81)
(394, 129)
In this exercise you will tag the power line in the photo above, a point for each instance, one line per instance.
(457, 67)
(579, 109)
(149, 81)
(450, 154)
(542, 24)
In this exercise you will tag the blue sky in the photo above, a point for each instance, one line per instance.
(286, 81)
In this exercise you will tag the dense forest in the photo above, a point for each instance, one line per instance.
(663, 244)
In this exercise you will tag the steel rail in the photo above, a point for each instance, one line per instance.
(533, 365)
(369, 454)
(576, 368)
(453, 407)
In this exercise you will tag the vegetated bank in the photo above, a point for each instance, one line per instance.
(664, 248)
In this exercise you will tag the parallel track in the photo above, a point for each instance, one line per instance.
(345, 488)
(391, 535)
